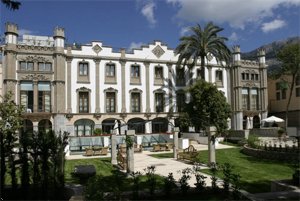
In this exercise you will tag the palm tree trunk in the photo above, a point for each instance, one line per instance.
(289, 100)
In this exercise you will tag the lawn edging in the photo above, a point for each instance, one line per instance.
(270, 154)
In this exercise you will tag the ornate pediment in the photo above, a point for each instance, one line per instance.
(158, 51)
(249, 84)
(97, 49)
(110, 89)
(135, 90)
(35, 77)
(83, 89)
(34, 58)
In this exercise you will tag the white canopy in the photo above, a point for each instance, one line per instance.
(272, 119)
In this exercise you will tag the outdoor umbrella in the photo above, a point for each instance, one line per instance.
(272, 119)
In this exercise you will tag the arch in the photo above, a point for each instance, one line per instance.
(84, 127)
(110, 124)
(256, 121)
(27, 126)
(160, 125)
(45, 125)
(137, 124)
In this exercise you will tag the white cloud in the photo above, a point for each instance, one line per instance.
(237, 13)
(184, 31)
(25, 32)
(233, 37)
(273, 25)
(148, 12)
(135, 45)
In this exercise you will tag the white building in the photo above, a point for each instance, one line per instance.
(80, 88)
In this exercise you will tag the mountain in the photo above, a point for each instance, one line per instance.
(271, 50)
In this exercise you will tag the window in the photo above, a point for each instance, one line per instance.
(110, 70)
(277, 95)
(297, 81)
(84, 127)
(245, 98)
(135, 102)
(254, 99)
(243, 76)
(110, 102)
(159, 72)
(200, 74)
(83, 102)
(283, 94)
(45, 66)
(298, 92)
(180, 101)
(83, 69)
(159, 102)
(252, 76)
(135, 71)
(247, 76)
(219, 78)
(26, 65)
(26, 95)
(256, 76)
(180, 80)
(44, 97)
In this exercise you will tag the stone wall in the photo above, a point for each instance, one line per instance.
(280, 154)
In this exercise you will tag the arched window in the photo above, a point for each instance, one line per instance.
(137, 124)
(84, 127)
(45, 125)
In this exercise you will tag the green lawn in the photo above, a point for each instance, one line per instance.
(103, 167)
(255, 173)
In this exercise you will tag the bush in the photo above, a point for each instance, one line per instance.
(253, 141)
(98, 131)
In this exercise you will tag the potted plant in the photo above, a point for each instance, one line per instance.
(98, 131)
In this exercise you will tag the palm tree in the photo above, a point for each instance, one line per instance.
(203, 44)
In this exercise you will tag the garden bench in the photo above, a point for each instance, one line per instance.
(100, 151)
(162, 147)
(188, 154)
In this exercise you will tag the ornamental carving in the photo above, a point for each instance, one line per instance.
(249, 84)
(34, 77)
(39, 48)
(83, 89)
(158, 51)
(34, 58)
(97, 49)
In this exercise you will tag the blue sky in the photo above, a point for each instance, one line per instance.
(132, 23)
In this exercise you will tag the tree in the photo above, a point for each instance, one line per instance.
(10, 123)
(12, 5)
(202, 44)
(289, 57)
(208, 107)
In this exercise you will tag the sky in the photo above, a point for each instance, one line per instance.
(133, 23)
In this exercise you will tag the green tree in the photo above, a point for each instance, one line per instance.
(289, 57)
(10, 123)
(202, 44)
(208, 107)
(12, 5)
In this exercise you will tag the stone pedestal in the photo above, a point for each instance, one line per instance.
(175, 142)
(211, 131)
(114, 150)
(130, 152)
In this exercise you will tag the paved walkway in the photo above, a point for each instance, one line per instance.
(162, 166)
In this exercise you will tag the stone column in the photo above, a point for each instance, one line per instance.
(175, 142)
(130, 152)
(97, 110)
(211, 131)
(35, 96)
(170, 83)
(147, 64)
(148, 127)
(123, 78)
(35, 126)
(114, 149)
(171, 124)
(69, 84)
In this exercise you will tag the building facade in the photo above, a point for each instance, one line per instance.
(278, 99)
(81, 88)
